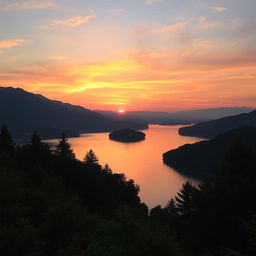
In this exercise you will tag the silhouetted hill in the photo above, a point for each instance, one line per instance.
(24, 112)
(212, 128)
(204, 158)
(127, 135)
(177, 118)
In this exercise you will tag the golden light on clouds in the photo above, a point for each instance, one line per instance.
(11, 43)
(166, 55)
(70, 22)
(172, 27)
(144, 82)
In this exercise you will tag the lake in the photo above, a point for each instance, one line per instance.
(141, 161)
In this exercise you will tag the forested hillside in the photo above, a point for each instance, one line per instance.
(53, 204)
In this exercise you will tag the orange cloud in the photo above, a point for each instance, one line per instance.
(205, 74)
(71, 22)
(11, 43)
(219, 9)
(173, 27)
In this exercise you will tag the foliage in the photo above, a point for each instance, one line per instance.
(63, 148)
(91, 158)
(53, 204)
(184, 199)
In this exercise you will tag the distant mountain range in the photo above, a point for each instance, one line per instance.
(213, 128)
(23, 112)
(204, 158)
(177, 118)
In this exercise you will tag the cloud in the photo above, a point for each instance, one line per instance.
(151, 2)
(28, 5)
(11, 43)
(118, 11)
(71, 22)
(183, 80)
(219, 9)
(172, 27)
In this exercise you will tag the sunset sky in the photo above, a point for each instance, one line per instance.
(131, 54)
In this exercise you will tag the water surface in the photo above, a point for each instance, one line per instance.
(141, 161)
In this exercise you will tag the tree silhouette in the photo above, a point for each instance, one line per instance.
(63, 148)
(39, 150)
(184, 199)
(91, 158)
(35, 140)
(6, 143)
(172, 208)
(107, 169)
(157, 212)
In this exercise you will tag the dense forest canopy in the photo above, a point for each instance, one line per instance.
(53, 204)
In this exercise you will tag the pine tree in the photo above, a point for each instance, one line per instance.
(63, 148)
(172, 208)
(184, 199)
(6, 143)
(91, 158)
(107, 169)
(39, 149)
(35, 140)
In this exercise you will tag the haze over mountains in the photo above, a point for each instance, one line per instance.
(177, 118)
(24, 112)
(213, 128)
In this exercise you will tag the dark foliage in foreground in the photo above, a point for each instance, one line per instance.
(53, 204)
(218, 217)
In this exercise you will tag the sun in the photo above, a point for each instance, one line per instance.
(121, 111)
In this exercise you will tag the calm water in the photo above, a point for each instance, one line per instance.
(140, 161)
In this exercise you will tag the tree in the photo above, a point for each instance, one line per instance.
(6, 143)
(91, 158)
(157, 213)
(63, 148)
(35, 140)
(39, 150)
(184, 199)
(107, 169)
(171, 208)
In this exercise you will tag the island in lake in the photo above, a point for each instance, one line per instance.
(127, 135)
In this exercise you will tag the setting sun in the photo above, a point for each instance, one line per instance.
(121, 111)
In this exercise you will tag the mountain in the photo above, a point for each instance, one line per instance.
(177, 118)
(213, 128)
(206, 157)
(23, 112)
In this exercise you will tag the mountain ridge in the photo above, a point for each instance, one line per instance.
(204, 158)
(212, 128)
(185, 117)
(19, 108)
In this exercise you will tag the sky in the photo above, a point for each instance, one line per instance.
(162, 55)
